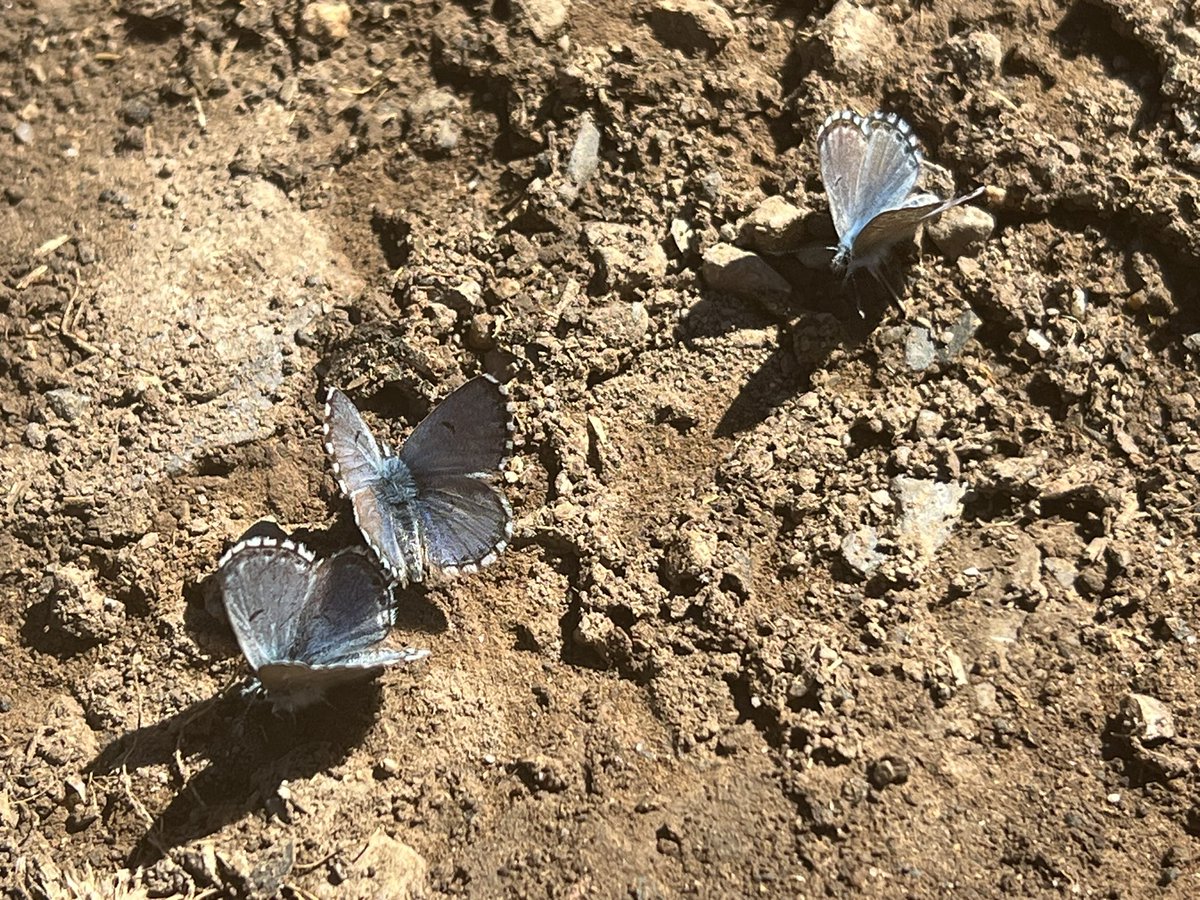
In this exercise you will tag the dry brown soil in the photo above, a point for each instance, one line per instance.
(802, 602)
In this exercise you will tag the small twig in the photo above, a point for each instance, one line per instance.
(127, 787)
(16, 493)
(51, 245)
(32, 276)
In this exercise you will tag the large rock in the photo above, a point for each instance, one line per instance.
(851, 41)
(693, 26)
(961, 230)
(775, 226)
(745, 275)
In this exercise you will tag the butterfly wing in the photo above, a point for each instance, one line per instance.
(355, 453)
(900, 222)
(842, 145)
(891, 164)
(467, 433)
(266, 584)
(453, 455)
(292, 685)
(347, 613)
(378, 486)
(466, 522)
(334, 633)
(431, 505)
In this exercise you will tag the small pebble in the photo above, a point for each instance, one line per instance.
(327, 22)
(887, 770)
(136, 112)
(36, 435)
(387, 768)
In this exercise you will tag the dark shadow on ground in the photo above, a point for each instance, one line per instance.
(826, 313)
(250, 751)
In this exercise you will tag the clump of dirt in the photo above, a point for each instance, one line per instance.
(811, 592)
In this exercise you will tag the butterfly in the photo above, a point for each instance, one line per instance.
(434, 504)
(307, 625)
(870, 167)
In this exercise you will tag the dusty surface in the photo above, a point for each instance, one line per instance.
(801, 602)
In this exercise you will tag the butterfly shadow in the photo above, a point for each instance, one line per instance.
(825, 314)
(247, 753)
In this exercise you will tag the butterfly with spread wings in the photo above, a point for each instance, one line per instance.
(435, 505)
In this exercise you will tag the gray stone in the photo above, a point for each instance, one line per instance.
(775, 226)
(960, 333)
(961, 230)
(1147, 718)
(683, 236)
(67, 404)
(585, 158)
(1061, 570)
(36, 435)
(23, 133)
(928, 510)
(928, 425)
(743, 274)
(919, 352)
(859, 550)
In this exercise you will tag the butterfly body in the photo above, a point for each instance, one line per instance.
(433, 505)
(306, 625)
(870, 166)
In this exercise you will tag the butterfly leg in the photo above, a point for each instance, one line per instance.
(880, 274)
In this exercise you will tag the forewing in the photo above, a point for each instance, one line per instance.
(842, 144)
(466, 521)
(352, 448)
(266, 585)
(391, 530)
(468, 432)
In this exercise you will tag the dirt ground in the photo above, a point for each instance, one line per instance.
(802, 601)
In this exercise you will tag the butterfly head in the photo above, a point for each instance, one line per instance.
(841, 259)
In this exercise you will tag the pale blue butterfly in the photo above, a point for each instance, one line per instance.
(434, 505)
(307, 625)
(870, 167)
